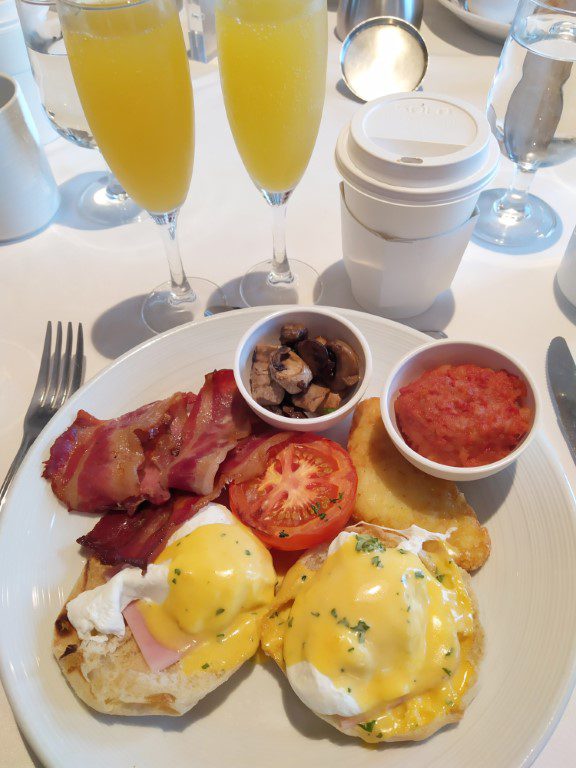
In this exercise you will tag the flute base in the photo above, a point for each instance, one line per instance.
(510, 229)
(99, 205)
(258, 287)
(163, 310)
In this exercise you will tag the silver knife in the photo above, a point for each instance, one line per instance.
(562, 378)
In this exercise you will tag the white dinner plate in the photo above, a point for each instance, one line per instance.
(496, 30)
(526, 591)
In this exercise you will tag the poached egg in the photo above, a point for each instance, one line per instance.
(378, 636)
(204, 596)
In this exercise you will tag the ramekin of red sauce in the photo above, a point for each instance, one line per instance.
(460, 410)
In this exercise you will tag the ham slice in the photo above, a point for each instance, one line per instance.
(177, 443)
(156, 655)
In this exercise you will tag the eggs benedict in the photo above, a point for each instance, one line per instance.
(157, 642)
(378, 633)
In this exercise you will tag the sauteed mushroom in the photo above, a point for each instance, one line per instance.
(289, 370)
(303, 377)
(312, 398)
(316, 355)
(264, 389)
(292, 333)
(347, 372)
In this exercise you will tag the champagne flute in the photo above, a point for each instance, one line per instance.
(532, 112)
(272, 58)
(130, 67)
(103, 201)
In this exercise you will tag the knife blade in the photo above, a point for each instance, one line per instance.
(561, 372)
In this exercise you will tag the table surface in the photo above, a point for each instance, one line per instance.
(75, 271)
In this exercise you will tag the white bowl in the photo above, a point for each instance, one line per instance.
(320, 321)
(451, 352)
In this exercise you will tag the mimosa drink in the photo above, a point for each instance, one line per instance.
(131, 71)
(272, 56)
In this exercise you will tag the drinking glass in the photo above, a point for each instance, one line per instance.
(103, 201)
(130, 67)
(272, 58)
(532, 111)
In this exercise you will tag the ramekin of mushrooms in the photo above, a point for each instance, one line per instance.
(303, 369)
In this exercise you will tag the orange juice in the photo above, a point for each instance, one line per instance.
(272, 57)
(131, 70)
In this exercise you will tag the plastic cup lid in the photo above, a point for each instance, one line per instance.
(418, 145)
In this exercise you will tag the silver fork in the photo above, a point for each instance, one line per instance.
(59, 376)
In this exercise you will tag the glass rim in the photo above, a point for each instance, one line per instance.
(86, 5)
(549, 7)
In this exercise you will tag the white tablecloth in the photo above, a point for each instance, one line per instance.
(98, 276)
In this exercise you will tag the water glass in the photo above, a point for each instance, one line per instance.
(103, 201)
(532, 113)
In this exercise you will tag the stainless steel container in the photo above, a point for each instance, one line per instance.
(352, 12)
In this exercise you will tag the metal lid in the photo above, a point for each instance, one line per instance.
(412, 145)
(381, 56)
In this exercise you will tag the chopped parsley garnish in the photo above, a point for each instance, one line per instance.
(441, 577)
(316, 508)
(349, 690)
(290, 621)
(448, 671)
(350, 649)
(304, 577)
(361, 628)
(449, 703)
(368, 727)
(376, 562)
(334, 613)
(273, 615)
(365, 543)
(322, 516)
(315, 613)
(283, 535)
(247, 552)
(402, 551)
(205, 666)
(449, 653)
(418, 574)
(219, 611)
(344, 621)
(220, 634)
(222, 535)
(177, 571)
(174, 581)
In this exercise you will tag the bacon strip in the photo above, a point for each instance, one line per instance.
(218, 420)
(96, 465)
(120, 538)
(175, 443)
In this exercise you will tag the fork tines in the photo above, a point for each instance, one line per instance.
(60, 373)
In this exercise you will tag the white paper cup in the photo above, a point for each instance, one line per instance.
(414, 165)
(29, 196)
(400, 278)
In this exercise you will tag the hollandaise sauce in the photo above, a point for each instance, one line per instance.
(378, 636)
(221, 581)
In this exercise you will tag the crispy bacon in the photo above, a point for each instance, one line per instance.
(120, 538)
(97, 465)
(175, 443)
(218, 420)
